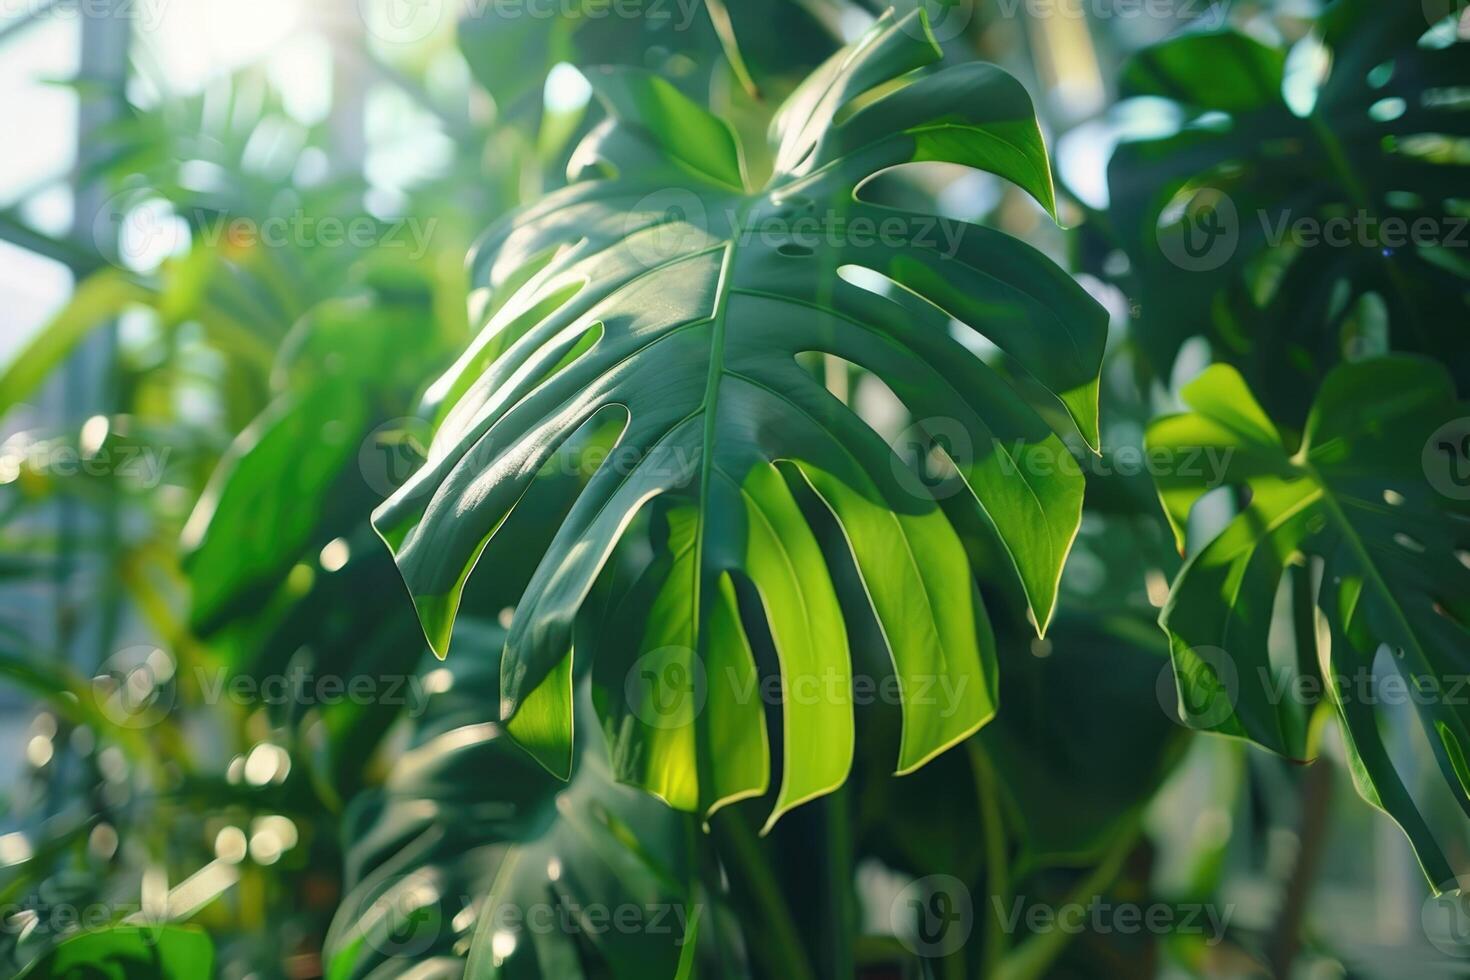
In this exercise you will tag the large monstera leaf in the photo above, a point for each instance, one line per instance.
(508, 872)
(511, 54)
(1366, 524)
(663, 291)
(125, 952)
(1310, 206)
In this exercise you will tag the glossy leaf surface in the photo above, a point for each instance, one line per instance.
(666, 293)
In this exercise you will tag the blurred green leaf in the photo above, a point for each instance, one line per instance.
(128, 953)
(98, 300)
(1308, 209)
(296, 478)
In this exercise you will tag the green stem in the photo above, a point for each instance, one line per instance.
(997, 861)
(1316, 795)
(1032, 959)
(841, 912)
(775, 943)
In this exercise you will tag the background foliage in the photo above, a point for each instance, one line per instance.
(199, 792)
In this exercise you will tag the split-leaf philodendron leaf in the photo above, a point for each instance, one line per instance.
(668, 291)
(1310, 205)
(490, 876)
(1368, 513)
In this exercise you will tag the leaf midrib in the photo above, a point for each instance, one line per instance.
(709, 406)
(1365, 559)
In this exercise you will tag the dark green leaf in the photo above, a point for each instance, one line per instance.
(672, 299)
(1385, 552)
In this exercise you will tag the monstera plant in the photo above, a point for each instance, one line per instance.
(678, 298)
(1365, 542)
(1305, 215)
(453, 875)
(1309, 205)
(754, 626)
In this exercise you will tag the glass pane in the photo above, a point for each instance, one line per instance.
(39, 116)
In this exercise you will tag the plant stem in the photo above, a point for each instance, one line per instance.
(779, 948)
(997, 861)
(1316, 794)
(841, 914)
(1033, 958)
